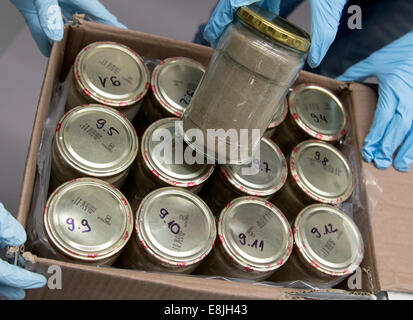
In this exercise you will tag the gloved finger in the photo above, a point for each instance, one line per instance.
(37, 32)
(11, 231)
(386, 108)
(14, 276)
(394, 136)
(93, 9)
(404, 157)
(50, 18)
(325, 18)
(221, 17)
(358, 72)
(11, 293)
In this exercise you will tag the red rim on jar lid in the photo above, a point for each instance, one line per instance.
(255, 235)
(322, 172)
(175, 226)
(174, 81)
(280, 116)
(96, 140)
(162, 166)
(328, 240)
(111, 73)
(88, 219)
(318, 112)
(270, 175)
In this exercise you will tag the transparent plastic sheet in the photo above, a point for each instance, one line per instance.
(37, 240)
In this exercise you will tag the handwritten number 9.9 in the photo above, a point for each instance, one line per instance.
(71, 225)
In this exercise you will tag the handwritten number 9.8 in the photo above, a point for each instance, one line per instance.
(71, 225)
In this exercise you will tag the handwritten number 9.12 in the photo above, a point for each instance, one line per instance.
(71, 225)
(328, 228)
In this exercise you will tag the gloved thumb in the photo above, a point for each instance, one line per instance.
(325, 18)
(50, 18)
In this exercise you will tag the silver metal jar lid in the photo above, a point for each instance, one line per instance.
(88, 219)
(271, 176)
(255, 234)
(175, 226)
(322, 171)
(328, 240)
(96, 140)
(174, 81)
(280, 115)
(161, 164)
(318, 112)
(111, 73)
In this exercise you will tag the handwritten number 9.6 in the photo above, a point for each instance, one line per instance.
(71, 225)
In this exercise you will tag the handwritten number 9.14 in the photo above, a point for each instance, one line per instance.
(243, 241)
(71, 225)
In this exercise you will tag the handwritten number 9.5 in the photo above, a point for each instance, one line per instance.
(71, 225)
(100, 123)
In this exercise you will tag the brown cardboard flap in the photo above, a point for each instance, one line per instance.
(392, 216)
(88, 282)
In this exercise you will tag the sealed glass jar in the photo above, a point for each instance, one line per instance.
(255, 239)
(173, 84)
(263, 177)
(109, 73)
(93, 141)
(327, 248)
(319, 173)
(256, 61)
(174, 232)
(161, 163)
(278, 119)
(87, 220)
(314, 113)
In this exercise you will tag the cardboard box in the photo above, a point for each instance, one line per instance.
(386, 228)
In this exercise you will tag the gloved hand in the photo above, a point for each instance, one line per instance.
(44, 17)
(325, 18)
(393, 120)
(14, 279)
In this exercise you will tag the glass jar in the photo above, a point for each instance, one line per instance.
(314, 113)
(319, 173)
(111, 74)
(155, 168)
(255, 239)
(173, 83)
(327, 248)
(174, 231)
(256, 61)
(262, 178)
(93, 141)
(87, 220)
(278, 119)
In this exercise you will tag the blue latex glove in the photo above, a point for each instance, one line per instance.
(325, 18)
(13, 279)
(392, 124)
(44, 17)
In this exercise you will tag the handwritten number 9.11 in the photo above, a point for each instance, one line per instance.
(243, 241)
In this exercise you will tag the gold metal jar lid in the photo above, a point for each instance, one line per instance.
(275, 27)
(175, 226)
(111, 73)
(322, 171)
(280, 116)
(255, 234)
(168, 169)
(328, 240)
(271, 176)
(88, 219)
(96, 140)
(174, 81)
(318, 112)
